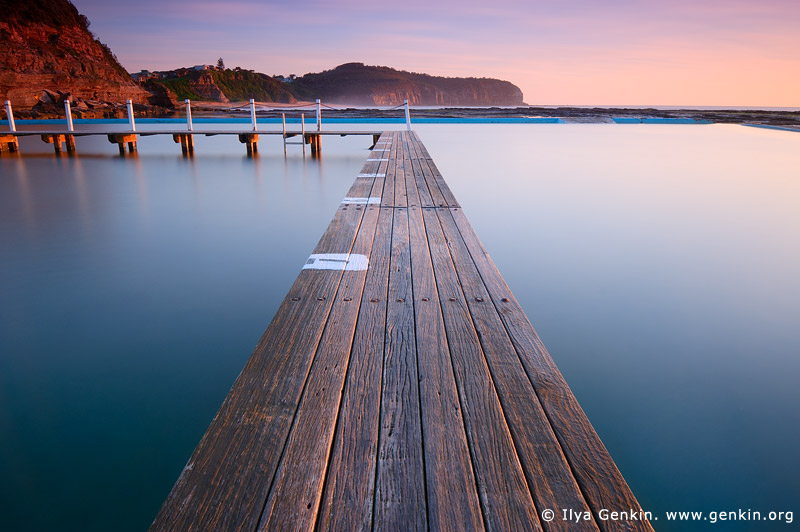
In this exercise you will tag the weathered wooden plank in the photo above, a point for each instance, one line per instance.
(425, 199)
(434, 177)
(546, 469)
(400, 502)
(226, 481)
(431, 185)
(412, 191)
(376, 163)
(505, 499)
(596, 473)
(387, 199)
(348, 493)
(448, 199)
(350, 484)
(400, 192)
(293, 501)
(452, 493)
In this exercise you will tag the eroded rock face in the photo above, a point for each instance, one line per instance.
(469, 92)
(59, 55)
(161, 95)
(205, 87)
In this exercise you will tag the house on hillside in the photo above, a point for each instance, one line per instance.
(142, 76)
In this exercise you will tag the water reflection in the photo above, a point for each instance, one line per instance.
(658, 263)
(123, 280)
(19, 169)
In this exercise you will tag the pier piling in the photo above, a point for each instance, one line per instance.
(8, 143)
(316, 145)
(121, 139)
(251, 140)
(58, 139)
(186, 141)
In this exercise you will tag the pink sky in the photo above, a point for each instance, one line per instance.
(570, 52)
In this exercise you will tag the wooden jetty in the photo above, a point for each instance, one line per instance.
(400, 386)
(9, 139)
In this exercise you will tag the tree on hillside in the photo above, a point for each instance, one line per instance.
(220, 64)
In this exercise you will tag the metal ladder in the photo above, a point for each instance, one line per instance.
(290, 135)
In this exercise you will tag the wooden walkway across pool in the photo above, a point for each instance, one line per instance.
(9, 140)
(399, 387)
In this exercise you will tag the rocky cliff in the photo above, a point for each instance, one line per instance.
(206, 89)
(359, 84)
(45, 45)
(225, 85)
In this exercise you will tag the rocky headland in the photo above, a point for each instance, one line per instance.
(48, 55)
(360, 84)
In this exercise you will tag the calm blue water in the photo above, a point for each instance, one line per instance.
(658, 262)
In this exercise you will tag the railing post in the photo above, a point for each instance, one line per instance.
(319, 115)
(283, 120)
(408, 115)
(131, 120)
(68, 112)
(189, 114)
(303, 128)
(10, 114)
(253, 114)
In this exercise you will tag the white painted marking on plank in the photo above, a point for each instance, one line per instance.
(381, 149)
(371, 175)
(337, 261)
(376, 160)
(372, 200)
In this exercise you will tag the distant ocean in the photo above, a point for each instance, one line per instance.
(679, 107)
(659, 107)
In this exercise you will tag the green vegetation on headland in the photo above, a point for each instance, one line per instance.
(224, 85)
(353, 83)
(360, 84)
(181, 88)
(244, 84)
